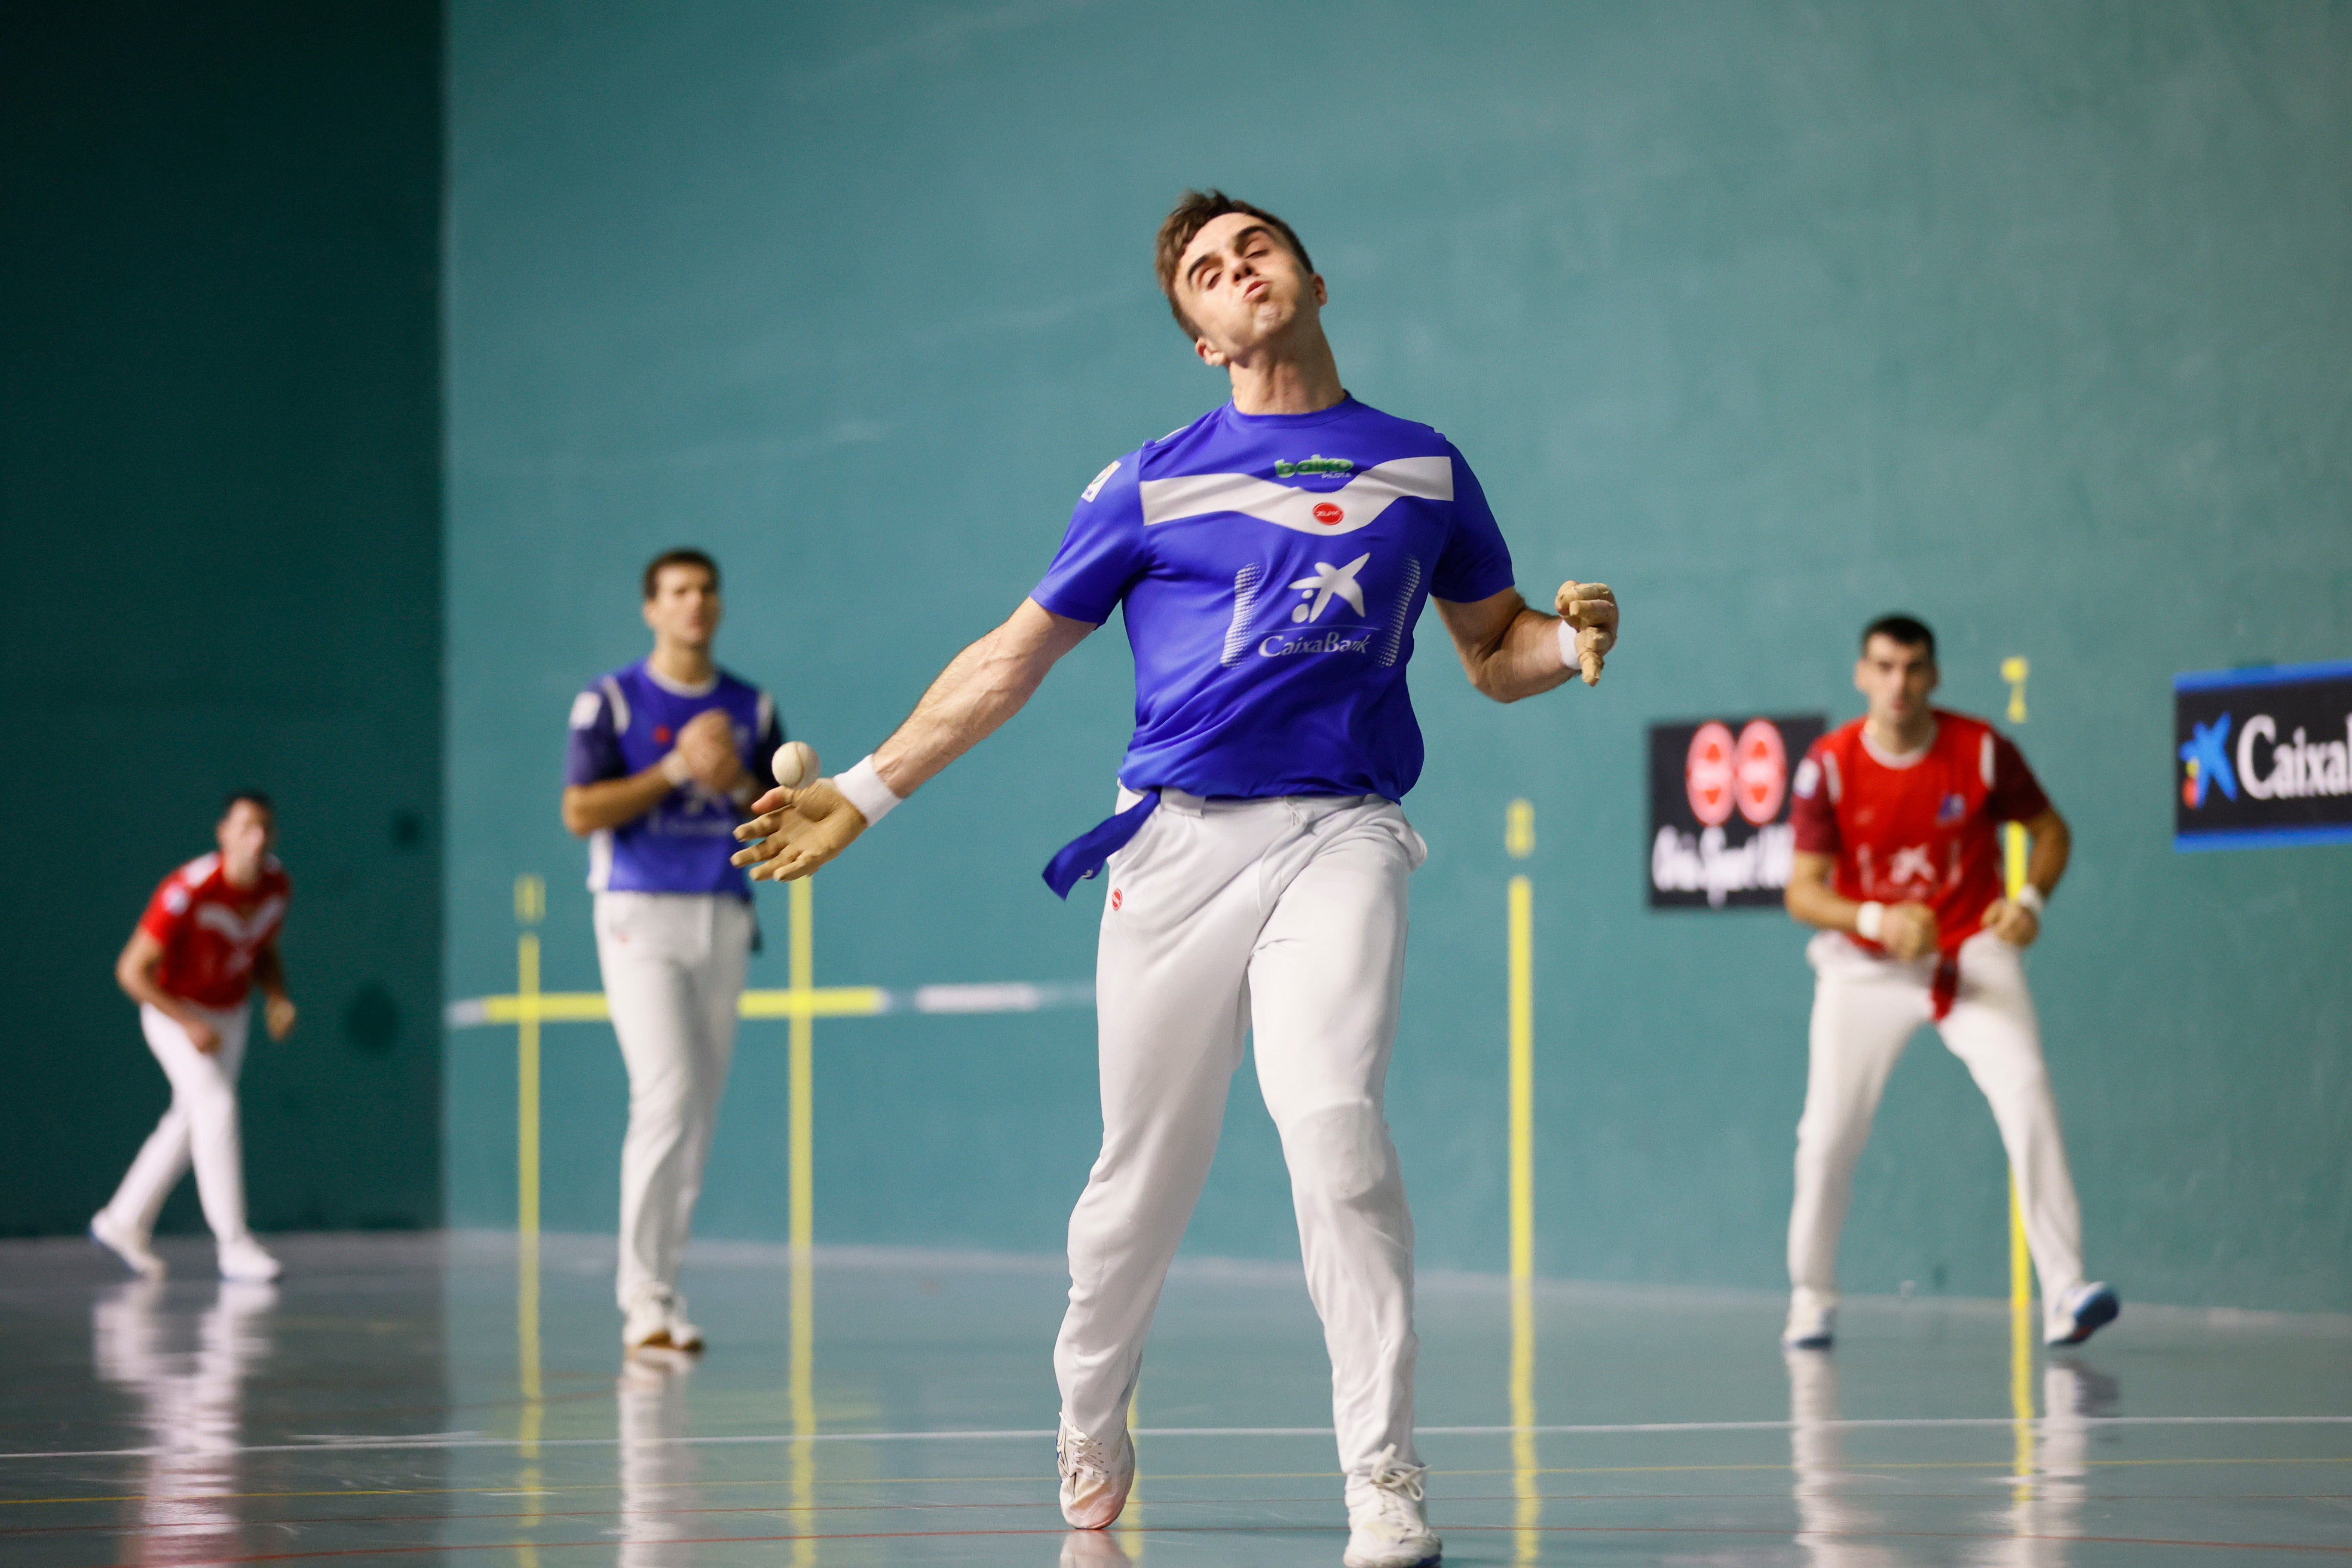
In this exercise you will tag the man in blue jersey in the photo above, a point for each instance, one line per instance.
(1272, 558)
(664, 756)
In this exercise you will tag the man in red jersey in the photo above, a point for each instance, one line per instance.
(208, 937)
(1898, 862)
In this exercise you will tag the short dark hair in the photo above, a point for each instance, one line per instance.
(252, 797)
(1194, 212)
(1909, 630)
(680, 557)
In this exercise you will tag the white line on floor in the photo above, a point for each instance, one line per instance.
(373, 1445)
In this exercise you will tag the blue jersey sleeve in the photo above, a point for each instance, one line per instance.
(1475, 563)
(594, 752)
(1102, 552)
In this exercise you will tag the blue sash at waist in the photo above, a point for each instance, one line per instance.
(1083, 856)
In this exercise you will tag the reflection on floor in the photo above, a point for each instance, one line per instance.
(388, 1401)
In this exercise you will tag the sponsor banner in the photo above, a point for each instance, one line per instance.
(2263, 756)
(1719, 833)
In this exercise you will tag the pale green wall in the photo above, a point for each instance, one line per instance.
(2030, 318)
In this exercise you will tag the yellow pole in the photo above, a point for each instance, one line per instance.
(2015, 670)
(1518, 841)
(801, 1162)
(530, 906)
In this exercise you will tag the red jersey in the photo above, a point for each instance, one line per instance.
(210, 930)
(1915, 829)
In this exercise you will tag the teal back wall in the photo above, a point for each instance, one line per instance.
(2030, 318)
(220, 567)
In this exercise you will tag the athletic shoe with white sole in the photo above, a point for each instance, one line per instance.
(1809, 1327)
(648, 1326)
(1385, 1525)
(126, 1244)
(245, 1259)
(683, 1334)
(1094, 1484)
(2082, 1312)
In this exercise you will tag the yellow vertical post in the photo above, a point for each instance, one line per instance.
(1520, 842)
(2015, 670)
(531, 907)
(801, 1162)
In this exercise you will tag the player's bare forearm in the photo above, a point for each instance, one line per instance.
(269, 972)
(801, 829)
(2054, 846)
(613, 802)
(1507, 650)
(134, 972)
(1510, 651)
(982, 687)
(1811, 898)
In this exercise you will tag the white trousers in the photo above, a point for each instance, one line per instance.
(673, 967)
(1864, 1010)
(1286, 917)
(200, 1129)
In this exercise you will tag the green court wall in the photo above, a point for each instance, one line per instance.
(2029, 318)
(221, 560)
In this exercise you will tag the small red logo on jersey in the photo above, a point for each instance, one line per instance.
(661, 734)
(1115, 899)
(1327, 514)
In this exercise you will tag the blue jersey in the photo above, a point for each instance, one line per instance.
(628, 722)
(1271, 566)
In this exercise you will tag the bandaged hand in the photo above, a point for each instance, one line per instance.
(1908, 931)
(797, 831)
(1592, 610)
(707, 743)
(2012, 923)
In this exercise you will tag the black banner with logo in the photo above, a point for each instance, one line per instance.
(1719, 833)
(2263, 756)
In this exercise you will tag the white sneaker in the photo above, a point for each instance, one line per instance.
(1385, 1525)
(245, 1260)
(683, 1335)
(126, 1244)
(1094, 1484)
(647, 1325)
(1811, 1327)
(2082, 1312)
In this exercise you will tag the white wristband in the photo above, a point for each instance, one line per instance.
(1567, 644)
(674, 768)
(863, 787)
(1867, 921)
(2030, 897)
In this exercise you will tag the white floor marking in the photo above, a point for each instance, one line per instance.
(1044, 1434)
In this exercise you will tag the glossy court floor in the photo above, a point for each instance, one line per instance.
(385, 1402)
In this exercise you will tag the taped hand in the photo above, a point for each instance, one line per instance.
(2012, 923)
(1592, 609)
(797, 831)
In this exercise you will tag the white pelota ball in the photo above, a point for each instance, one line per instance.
(796, 764)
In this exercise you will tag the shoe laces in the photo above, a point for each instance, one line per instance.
(1396, 1489)
(1082, 1455)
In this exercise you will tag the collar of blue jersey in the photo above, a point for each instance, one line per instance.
(679, 688)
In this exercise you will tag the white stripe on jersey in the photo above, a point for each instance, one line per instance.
(1359, 502)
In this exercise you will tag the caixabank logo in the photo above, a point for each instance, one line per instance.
(2265, 756)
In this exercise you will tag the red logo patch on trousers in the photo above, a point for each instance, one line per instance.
(1115, 899)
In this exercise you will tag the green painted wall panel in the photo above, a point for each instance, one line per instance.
(2029, 318)
(220, 558)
